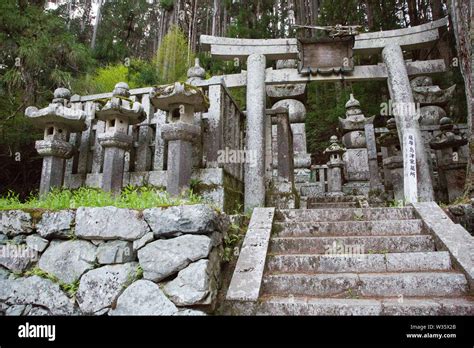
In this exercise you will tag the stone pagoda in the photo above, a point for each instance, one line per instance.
(356, 156)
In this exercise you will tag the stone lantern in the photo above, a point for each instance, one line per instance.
(393, 162)
(335, 165)
(58, 120)
(118, 113)
(181, 101)
(451, 162)
(196, 73)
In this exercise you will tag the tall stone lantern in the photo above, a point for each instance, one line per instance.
(335, 165)
(180, 101)
(58, 120)
(451, 162)
(118, 113)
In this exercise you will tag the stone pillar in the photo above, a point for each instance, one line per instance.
(405, 115)
(356, 156)
(256, 100)
(58, 120)
(451, 162)
(335, 165)
(285, 146)
(181, 102)
(118, 113)
(375, 181)
(393, 161)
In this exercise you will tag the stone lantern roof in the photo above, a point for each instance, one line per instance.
(120, 106)
(58, 113)
(447, 138)
(168, 97)
(425, 93)
(334, 147)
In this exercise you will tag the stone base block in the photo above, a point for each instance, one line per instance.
(356, 188)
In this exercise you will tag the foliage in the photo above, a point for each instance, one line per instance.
(130, 197)
(173, 59)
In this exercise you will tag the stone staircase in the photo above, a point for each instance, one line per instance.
(326, 202)
(357, 261)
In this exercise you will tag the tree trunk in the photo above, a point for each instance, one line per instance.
(96, 24)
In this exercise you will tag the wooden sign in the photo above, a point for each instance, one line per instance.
(325, 55)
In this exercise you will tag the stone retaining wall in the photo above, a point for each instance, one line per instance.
(96, 261)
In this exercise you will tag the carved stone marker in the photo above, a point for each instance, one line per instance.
(118, 113)
(181, 101)
(393, 161)
(58, 120)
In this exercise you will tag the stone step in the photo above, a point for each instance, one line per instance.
(340, 205)
(351, 245)
(379, 263)
(352, 285)
(348, 228)
(353, 214)
(297, 305)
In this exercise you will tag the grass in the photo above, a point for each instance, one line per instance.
(131, 197)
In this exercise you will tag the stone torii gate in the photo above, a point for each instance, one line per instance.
(395, 70)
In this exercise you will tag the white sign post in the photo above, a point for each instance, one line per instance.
(409, 167)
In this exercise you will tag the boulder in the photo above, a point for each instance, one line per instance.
(69, 260)
(191, 286)
(117, 251)
(143, 298)
(100, 288)
(17, 258)
(190, 313)
(36, 291)
(37, 243)
(165, 257)
(140, 243)
(56, 224)
(110, 223)
(13, 222)
(194, 219)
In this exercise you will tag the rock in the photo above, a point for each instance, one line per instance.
(117, 251)
(162, 258)
(4, 274)
(18, 239)
(36, 291)
(191, 286)
(110, 223)
(15, 310)
(36, 243)
(69, 260)
(140, 243)
(3, 238)
(56, 224)
(17, 258)
(13, 222)
(101, 287)
(190, 312)
(143, 298)
(196, 219)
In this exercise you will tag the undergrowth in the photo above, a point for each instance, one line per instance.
(130, 197)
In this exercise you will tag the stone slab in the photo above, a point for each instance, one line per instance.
(247, 278)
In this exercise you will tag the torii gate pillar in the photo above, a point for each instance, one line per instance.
(256, 96)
